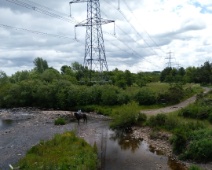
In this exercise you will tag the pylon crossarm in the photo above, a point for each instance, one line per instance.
(106, 21)
(77, 1)
(99, 22)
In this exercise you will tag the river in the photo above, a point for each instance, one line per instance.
(116, 150)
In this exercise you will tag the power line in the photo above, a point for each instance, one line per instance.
(42, 9)
(123, 15)
(52, 13)
(131, 11)
(36, 32)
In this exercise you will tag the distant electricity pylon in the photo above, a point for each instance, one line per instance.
(169, 58)
(95, 58)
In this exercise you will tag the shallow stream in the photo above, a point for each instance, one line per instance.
(116, 150)
(4, 124)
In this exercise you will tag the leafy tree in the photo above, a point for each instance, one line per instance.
(20, 76)
(3, 78)
(165, 73)
(128, 78)
(49, 75)
(40, 64)
(190, 74)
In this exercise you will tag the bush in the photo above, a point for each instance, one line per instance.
(125, 117)
(172, 123)
(179, 141)
(145, 97)
(199, 150)
(109, 96)
(141, 118)
(157, 121)
(174, 94)
(60, 121)
(194, 167)
(197, 111)
(64, 151)
(197, 145)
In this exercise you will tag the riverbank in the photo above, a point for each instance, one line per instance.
(159, 142)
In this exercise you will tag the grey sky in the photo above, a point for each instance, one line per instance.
(145, 32)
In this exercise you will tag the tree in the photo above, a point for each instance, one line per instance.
(40, 64)
(20, 76)
(128, 78)
(3, 78)
(78, 69)
(165, 74)
(68, 74)
(49, 75)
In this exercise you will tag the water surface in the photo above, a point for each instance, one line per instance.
(5, 124)
(120, 151)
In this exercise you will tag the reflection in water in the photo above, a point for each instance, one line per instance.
(125, 141)
(119, 150)
(5, 123)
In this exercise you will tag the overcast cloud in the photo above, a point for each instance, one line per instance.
(145, 32)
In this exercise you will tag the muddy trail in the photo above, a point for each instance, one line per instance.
(174, 108)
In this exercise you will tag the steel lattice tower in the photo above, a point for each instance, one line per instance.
(95, 58)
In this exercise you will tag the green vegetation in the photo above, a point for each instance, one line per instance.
(201, 109)
(194, 167)
(125, 116)
(63, 152)
(69, 88)
(191, 138)
(60, 121)
(122, 97)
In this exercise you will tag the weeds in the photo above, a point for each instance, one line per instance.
(60, 121)
(63, 152)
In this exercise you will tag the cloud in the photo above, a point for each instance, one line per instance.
(145, 32)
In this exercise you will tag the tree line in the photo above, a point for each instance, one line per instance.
(46, 87)
(202, 74)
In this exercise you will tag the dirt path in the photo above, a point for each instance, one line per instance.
(173, 108)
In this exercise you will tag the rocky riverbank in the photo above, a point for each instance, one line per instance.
(159, 142)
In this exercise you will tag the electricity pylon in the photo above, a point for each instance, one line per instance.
(95, 58)
(169, 63)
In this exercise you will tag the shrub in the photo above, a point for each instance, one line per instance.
(141, 118)
(157, 121)
(60, 121)
(172, 123)
(196, 111)
(179, 141)
(194, 167)
(199, 150)
(198, 144)
(109, 96)
(125, 116)
(174, 94)
(145, 97)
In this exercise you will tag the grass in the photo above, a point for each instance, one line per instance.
(60, 121)
(63, 152)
